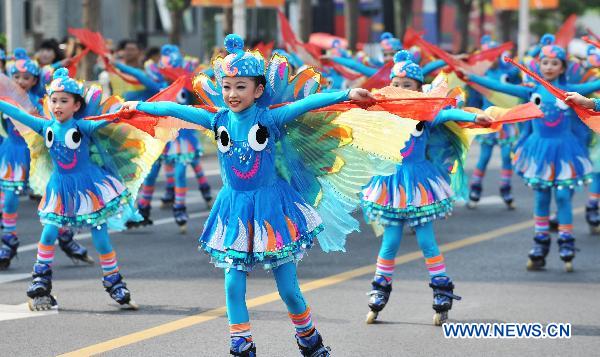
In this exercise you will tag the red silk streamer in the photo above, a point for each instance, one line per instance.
(591, 41)
(72, 67)
(566, 33)
(265, 48)
(380, 79)
(92, 40)
(491, 54)
(173, 74)
(588, 116)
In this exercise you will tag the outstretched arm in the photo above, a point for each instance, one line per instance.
(293, 110)
(511, 89)
(432, 66)
(184, 112)
(355, 66)
(585, 88)
(35, 123)
(596, 104)
(140, 75)
(454, 115)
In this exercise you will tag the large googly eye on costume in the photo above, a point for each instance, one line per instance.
(504, 78)
(536, 98)
(223, 139)
(258, 137)
(561, 105)
(49, 137)
(419, 129)
(182, 97)
(73, 138)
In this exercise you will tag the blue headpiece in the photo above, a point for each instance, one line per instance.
(404, 66)
(593, 55)
(550, 50)
(170, 57)
(389, 43)
(239, 63)
(292, 59)
(24, 64)
(61, 82)
(487, 43)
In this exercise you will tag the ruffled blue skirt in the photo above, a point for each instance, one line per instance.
(417, 193)
(272, 225)
(14, 164)
(546, 162)
(85, 198)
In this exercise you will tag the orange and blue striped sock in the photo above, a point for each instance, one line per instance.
(146, 196)
(385, 268)
(45, 254)
(436, 266)
(542, 224)
(109, 264)
(180, 196)
(477, 176)
(9, 222)
(303, 324)
(505, 177)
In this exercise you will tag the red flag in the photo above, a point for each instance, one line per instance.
(265, 48)
(566, 33)
(173, 74)
(380, 79)
(306, 52)
(588, 116)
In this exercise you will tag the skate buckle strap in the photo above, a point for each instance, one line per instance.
(447, 294)
(542, 239)
(378, 287)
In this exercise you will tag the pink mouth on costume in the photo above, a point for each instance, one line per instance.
(555, 123)
(250, 174)
(409, 151)
(70, 165)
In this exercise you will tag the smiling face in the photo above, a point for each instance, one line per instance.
(63, 105)
(406, 83)
(239, 93)
(25, 80)
(551, 68)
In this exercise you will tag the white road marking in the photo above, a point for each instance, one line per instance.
(21, 311)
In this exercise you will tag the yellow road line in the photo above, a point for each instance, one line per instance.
(272, 297)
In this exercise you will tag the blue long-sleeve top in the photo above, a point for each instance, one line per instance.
(246, 140)
(557, 115)
(141, 76)
(356, 66)
(415, 149)
(597, 104)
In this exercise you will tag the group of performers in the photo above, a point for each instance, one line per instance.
(302, 146)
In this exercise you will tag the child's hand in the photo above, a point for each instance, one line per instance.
(129, 106)
(361, 95)
(579, 100)
(484, 120)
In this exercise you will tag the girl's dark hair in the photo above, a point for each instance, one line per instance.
(52, 44)
(260, 80)
(81, 101)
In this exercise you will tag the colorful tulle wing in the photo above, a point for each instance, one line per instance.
(13, 93)
(207, 90)
(329, 156)
(282, 87)
(40, 167)
(126, 152)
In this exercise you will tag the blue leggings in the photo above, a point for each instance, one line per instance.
(486, 155)
(563, 198)
(180, 179)
(287, 285)
(595, 185)
(100, 237)
(11, 205)
(152, 176)
(392, 236)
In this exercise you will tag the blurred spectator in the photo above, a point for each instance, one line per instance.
(129, 52)
(152, 53)
(49, 52)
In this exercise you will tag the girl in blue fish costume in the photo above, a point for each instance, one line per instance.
(87, 171)
(549, 156)
(418, 193)
(505, 139)
(15, 160)
(184, 151)
(265, 212)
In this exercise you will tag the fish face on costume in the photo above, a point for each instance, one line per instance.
(555, 110)
(64, 147)
(418, 138)
(244, 157)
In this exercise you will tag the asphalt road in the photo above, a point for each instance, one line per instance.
(181, 294)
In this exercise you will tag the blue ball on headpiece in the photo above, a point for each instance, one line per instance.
(240, 63)
(389, 43)
(170, 57)
(551, 50)
(405, 67)
(61, 82)
(23, 64)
